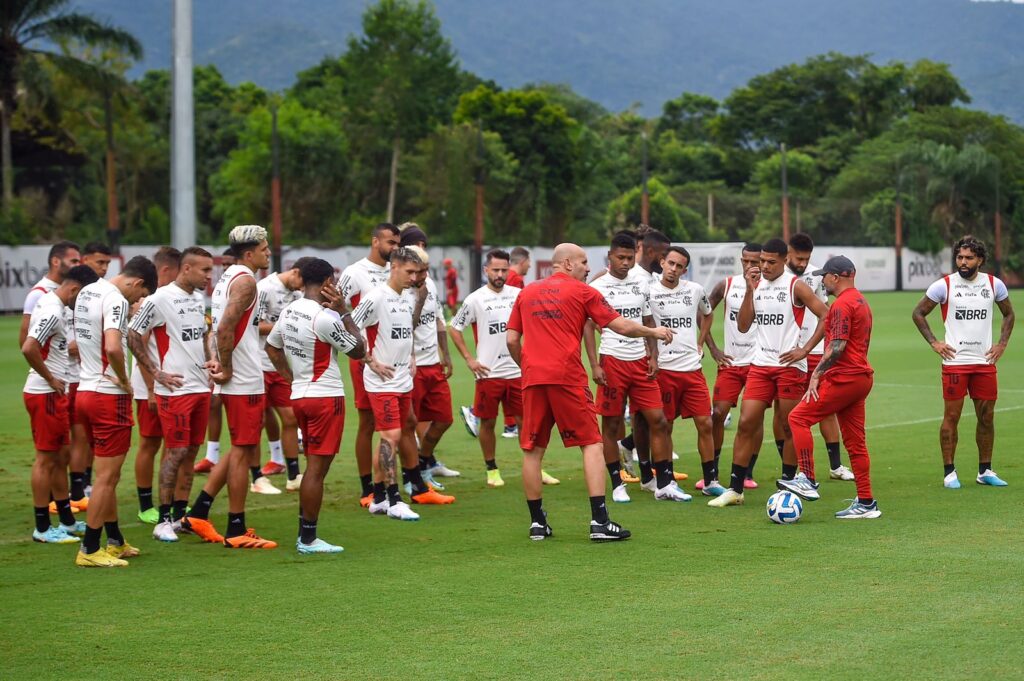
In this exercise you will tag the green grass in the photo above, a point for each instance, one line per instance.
(928, 591)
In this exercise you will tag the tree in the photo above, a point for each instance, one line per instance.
(24, 23)
(690, 116)
(401, 79)
(624, 212)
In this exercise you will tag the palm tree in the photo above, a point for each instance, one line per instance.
(24, 23)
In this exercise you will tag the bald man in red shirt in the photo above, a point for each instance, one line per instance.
(840, 384)
(550, 314)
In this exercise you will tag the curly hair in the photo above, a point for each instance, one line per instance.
(974, 245)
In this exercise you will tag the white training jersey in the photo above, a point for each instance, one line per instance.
(247, 372)
(631, 298)
(48, 327)
(276, 297)
(739, 346)
(487, 311)
(777, 318)
(311, 337)
(810, 321)
(386, 317)
(425, 334)
(967, 314)
(642, 274)
(360, 278)
(100, 307)
(176, 321)
(680, 308)
(42, 287)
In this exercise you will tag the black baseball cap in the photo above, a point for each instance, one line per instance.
(839, 265)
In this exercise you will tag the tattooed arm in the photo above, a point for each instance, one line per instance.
(997, 350)
(240, 297)
(921, 311)
(833, 351)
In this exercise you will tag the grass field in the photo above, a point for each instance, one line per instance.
(931, 590)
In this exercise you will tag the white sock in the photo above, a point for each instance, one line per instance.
(277, 452)
(213, 452)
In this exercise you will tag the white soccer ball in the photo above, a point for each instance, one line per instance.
(784, 508)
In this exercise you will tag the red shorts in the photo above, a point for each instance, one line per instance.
(490, 392)
(48, 415)
(107, 420)
(359, 395)
(977, 380)
(390, 409)
(72, 393)
(626, 379)
(812, 363)
(277, 390)
(184, 419)
(149, 421)
(571, 407)
(767, 384)
(322, 420)
(431, 395)
(684, 394)
(245, 418)
(729, 383)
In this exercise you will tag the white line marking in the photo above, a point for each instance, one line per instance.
(934, 419)
(935, 385)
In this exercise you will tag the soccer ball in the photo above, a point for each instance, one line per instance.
(784, 508)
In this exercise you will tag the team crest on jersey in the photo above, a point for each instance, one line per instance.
(687, 299)
(985, 293)
(782, 296)
(636, 290)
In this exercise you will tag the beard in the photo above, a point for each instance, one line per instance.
(497, 282)
(797, 269)
(967, 272)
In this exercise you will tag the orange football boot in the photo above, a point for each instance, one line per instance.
(249, 540)
(432, 496)
(202, 527)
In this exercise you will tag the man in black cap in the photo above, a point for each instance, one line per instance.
(841, 382)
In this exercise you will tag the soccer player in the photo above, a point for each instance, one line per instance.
(304, 346)
(683, 306)
(97, 255)
(498, 377)
(212, 457)
(551, 314)
(62, 257)
(175, 318)
(519, 265)
(235, 309)
(840, 383)
(104, 404)
(45, 395)
(774, 303)
(386, 314)
(626, 368)
(968, 355)
(167, 261)
(357, 280)
(734, 360)
(798, 261)
(451, 285)
(278, 291)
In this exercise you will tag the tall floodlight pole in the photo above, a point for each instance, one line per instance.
(645, 199)
(898, 226)
(998, 231)
(275, 187)
(183, 161)
(785, 198)
(476, 274)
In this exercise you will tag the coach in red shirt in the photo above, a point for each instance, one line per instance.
(841, 383)
(550, 314)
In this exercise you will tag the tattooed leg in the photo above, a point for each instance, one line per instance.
(948, 434)
(986, 431)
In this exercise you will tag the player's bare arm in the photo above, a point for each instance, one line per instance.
(627, 327)
(833, 352)
(277, 358)
(804, 295)
(920, 314)
(716, 296)
(240, 297)
(137, 344)
(33, 353)
(421, 299)
(479, 370)
(997, 350)
(26, 319)
(706, 320)
(442, 345)
(652, 349)
(745, 315)
(514, 342)
(590, 344)
(359, 351)
(116, 360)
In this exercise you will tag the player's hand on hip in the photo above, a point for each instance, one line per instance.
(812, 390)
(169, 380)
(721, 359)
(57, 385)
(479, 370)
(944, 349)
(995, 352)
(382, 370)
(793, 356)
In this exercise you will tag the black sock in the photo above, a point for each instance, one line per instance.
(948, 468)
(254, 471)
(366, 483)
(88, 476)
(165, 513)
(736, 478)
(91, 540)
(42, 518)
(492, 465)
(628, 443)
(646, 471)
(615, 472)
(178, 509)
(378, 492)
(982, 467)
(431, 461)
(866, 502)
(307, 530)
(201, 509)
(236, 525)
(405, 477)
(710, 471)
(718, 455)
(779, 444)
(145, 498)
(598, 509)
(788, 471)
(77, 486)
(663, 474)
(64, 512)
(293, 467)
(394, 496)
(750, 467)
(416, 478)
(834, 461)
(537, 514)
(114, 535)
